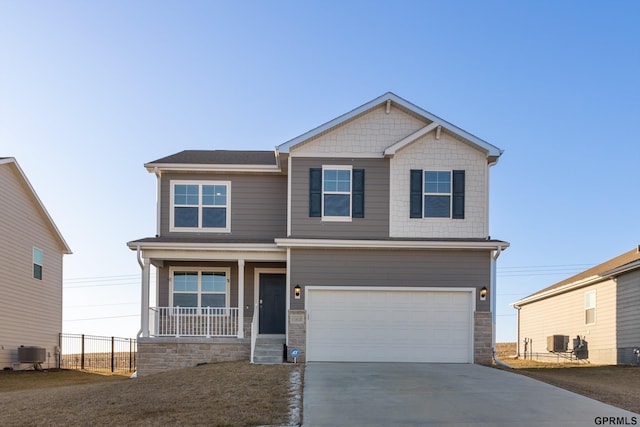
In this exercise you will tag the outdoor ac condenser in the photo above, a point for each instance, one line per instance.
(557, 343)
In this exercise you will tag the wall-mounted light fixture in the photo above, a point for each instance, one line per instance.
(483, 293)
(297, 291)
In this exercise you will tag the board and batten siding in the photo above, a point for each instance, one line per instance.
(258, 205)
(375, 223)
(31, 313)
(628, 315)
(402, 268)
(564, 314)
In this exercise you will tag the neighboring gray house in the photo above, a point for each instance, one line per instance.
(31, 252)
(598, 310)
(364, 239)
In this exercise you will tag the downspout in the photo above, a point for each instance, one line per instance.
(494, 258)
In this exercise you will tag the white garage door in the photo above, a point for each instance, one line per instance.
(389, 325)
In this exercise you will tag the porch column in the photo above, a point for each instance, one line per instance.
(144, 303)
(240, 298)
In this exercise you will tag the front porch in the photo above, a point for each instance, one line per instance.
(207, 322)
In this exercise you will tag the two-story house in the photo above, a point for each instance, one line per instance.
(364, 239)
(31, 261)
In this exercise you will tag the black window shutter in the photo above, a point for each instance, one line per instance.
(315, 192)
(357, 194)
(458, 195)
(415, 201)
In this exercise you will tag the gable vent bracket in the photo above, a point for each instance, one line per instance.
(388, 109)
(438, 130)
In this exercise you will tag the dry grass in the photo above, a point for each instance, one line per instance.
(616, 385)
(224, 394)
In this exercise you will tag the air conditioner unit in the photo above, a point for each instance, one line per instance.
(557, 343)
(32, 354)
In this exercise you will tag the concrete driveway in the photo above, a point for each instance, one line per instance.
(415, 394)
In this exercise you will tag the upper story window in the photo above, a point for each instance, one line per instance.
(437, 194)
(589, 307)
(200, 206)
(37, 263)
(336, 193)
(200, 289)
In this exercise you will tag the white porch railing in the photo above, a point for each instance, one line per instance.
(194, 322)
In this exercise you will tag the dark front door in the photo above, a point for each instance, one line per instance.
(272, 303)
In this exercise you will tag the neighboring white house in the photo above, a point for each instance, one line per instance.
(598, 310)
(31, 253)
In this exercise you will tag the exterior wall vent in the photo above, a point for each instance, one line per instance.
(32, 354)
(557, 343)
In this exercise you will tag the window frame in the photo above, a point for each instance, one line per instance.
(337, 218)
(426, 193)
(200, 206)
(35, 264)
(588, 306)
(199, 292)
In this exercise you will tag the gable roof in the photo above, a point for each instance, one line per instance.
(217, 159)
(614, 267)
(492, 151)
(13, 162)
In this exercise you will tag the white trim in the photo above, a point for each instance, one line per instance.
(595, 304)
(389, 244)
(200, 270)
(345, 155)
(11, 160)
(425, 194)
(200, 206)
(491, 150)
(289, 184)
(472, 294)
(391, 150)
(335, 218)
(217, 254)
(256, 294)
(184, 167)
(562, 289)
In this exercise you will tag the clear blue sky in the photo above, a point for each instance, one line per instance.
(91, 90)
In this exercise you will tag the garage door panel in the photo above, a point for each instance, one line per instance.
(387, 326)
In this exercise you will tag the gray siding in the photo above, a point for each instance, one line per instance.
(249, 268)
(258, 206)
(375, 223)
(628, 315)
(318, 267)
(31, 313)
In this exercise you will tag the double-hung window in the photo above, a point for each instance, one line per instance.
(200, 206)
(37, 263)
(200, 289)
(336, 192)
(437, 194)
(590, 307)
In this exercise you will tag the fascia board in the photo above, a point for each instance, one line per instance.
(391, 150)
(12, 160)
(566, 288)
(491, 150)
(237, 247)
(183, 167)
(622, 269)
(386, 244)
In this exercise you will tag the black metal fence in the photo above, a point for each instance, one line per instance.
(97, 353)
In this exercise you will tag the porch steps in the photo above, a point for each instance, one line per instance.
(268, 350)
